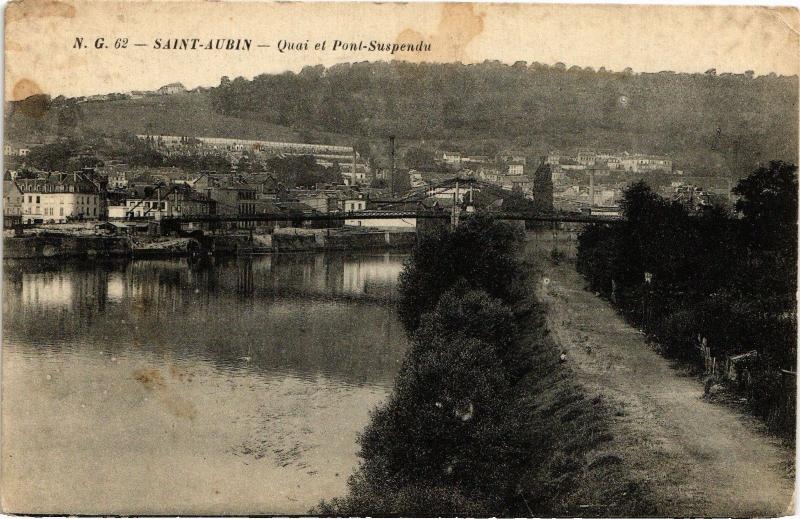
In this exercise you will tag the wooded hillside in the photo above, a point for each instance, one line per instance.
(706, 122)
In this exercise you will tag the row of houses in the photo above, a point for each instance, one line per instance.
(228, 195)
(61, 198)
(614, 161)
(354, 169)
(169, 89)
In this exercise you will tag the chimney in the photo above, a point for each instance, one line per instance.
(391, 178)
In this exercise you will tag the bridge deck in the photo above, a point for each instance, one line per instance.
(387, 215)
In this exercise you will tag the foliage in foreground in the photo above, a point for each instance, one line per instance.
(451, 438)
(730, 280)
(484, 420)
(450, 435)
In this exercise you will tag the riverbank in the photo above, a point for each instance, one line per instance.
(694, 457)
(50, 244)
(485, 419)
(578, 467)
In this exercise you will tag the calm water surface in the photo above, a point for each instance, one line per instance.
(158, 387)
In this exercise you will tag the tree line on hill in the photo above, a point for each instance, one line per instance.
(728, 279)
(709, 121)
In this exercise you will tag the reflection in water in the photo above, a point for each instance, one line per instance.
(266, 365)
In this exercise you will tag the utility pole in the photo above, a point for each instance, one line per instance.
(730, 194)
(158, 203)
(391, 173)
(455, 206)
(354, 162)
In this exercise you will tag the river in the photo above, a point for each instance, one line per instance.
(159, 387)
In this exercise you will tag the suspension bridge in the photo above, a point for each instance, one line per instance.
(449, 199)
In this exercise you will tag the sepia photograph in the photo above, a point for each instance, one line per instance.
(399, 259)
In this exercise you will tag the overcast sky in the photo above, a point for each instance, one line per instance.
(40, 37)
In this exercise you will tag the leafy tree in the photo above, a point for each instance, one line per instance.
(768, 201)
(731, 280)
(302, 171)
(55, 156)
(463, 313)
(480, 251)
(451, 438)
(543, 189)
(419, 158)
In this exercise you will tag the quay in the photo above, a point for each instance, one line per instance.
(50, 244)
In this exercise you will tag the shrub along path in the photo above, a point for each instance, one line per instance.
(699, 458)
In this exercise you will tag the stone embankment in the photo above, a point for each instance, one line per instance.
(83, 245)
(65, 246)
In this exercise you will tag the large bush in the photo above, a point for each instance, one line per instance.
(452, 438)
(480, 252)
(450, 435)
(463, 313)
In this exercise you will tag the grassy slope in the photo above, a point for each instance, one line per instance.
(578, 472)
(180, 114)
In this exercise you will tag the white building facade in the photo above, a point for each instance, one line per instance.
(59, 207)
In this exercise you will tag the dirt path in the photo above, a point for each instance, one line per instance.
(700, 458)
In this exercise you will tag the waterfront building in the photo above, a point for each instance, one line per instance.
(118, 212)
(59, 198)
(179, 201)
(383, 223)
(147, 208)
(234, 199)
(319, 202)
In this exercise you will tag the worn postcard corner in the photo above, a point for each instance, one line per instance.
(417, 259)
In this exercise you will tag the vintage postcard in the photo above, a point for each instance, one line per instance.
(399, 259)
